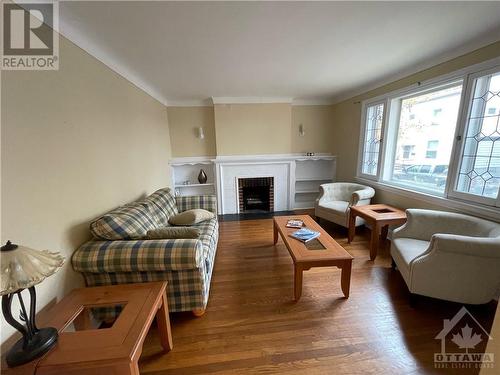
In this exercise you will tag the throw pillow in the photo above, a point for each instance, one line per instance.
(191, 217)
(172, 233)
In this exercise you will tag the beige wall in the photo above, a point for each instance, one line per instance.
(75, 143)
(317, 121)
(184, 123)
(347, 117)
(246, 129)
(250, 129)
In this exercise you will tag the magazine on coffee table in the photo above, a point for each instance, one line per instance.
(295, 223)
(305, 235)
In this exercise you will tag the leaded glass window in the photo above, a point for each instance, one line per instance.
(373, 136)
(479, 172)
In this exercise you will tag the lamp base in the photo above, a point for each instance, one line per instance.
(41, 343)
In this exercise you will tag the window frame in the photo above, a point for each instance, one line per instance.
(460, 141)
(362, 138)
(457, 199)
(392, 128)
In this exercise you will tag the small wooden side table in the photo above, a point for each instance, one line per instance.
(379, 216)
(84, 349)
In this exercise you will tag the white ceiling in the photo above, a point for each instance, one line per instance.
(187, 52)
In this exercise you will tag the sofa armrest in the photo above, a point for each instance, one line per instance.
(362, 196)
(206, 202)
(474, 246)
(137, 256)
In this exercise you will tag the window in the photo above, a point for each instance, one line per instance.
(432, 147)
(441, 138)
(374, 116)
(408, 151)
(433, 143)
(479, 172)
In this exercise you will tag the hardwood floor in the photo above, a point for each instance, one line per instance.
(252, 325)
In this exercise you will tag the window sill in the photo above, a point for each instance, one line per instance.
(486, 212)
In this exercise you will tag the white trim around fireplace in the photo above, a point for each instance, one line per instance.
(296, 177)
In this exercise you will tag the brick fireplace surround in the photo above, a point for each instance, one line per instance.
(256, 191)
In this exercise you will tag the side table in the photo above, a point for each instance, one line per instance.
(82, 348)
(379, 216)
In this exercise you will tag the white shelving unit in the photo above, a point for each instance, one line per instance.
(299, 186)
(310, 173)
(185, 175)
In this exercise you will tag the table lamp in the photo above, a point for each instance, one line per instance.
(23, 268)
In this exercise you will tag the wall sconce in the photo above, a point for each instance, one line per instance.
(201, 134)
(302, 132)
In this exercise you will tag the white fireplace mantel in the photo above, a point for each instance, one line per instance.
(295, 176)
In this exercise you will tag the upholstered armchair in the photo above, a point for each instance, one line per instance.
(449, 256)
(335, 200)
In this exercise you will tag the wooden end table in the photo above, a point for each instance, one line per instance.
(84, 349)
(379, 216)
(332, 254)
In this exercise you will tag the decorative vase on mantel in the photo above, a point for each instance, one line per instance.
(202, 177)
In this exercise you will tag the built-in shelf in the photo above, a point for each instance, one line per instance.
(303, 205)
(193, 185)
(188, 169)
(297, 178)
(310, 173)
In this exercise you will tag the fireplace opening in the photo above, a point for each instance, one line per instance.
(256, 194)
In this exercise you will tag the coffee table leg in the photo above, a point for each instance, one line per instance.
(275, 232)
(345, 278)
(297, 282)
(163, 321)
(374, 241)
(352, 227)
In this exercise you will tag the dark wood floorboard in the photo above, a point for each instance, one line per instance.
(252, 325)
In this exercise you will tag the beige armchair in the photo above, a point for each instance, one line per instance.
(449, 256)
(335, 200)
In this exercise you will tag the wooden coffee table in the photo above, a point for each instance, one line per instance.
(379, 216)
(332, 253)
(84, 349)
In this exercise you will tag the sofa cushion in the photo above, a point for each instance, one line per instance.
(339, 207)
(172, 233)
(191, 217)
(131, 221)
(404, 250)
(162, 205)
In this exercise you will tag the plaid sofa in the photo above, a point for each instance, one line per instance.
(118, 254)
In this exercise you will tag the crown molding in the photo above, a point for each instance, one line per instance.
(317, 101)
(250, 100)
(189, 103)
(247, 100)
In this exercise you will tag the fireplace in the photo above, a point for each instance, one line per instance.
(256, 194)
